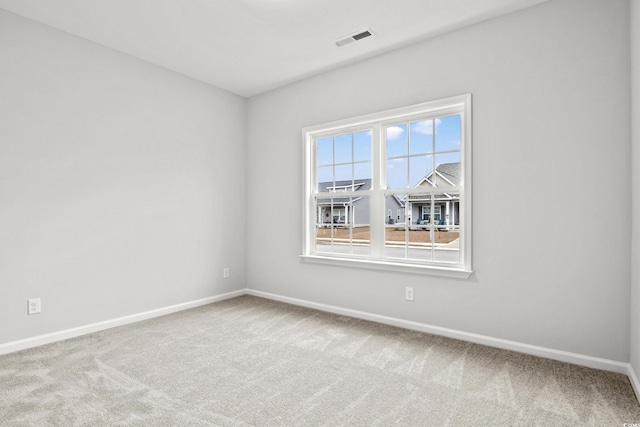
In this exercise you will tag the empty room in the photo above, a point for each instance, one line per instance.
(320, 213)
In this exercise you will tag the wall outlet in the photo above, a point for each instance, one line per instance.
(225, 273)
(408, 294)
(34, 306)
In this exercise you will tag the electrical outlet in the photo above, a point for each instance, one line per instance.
(408, 294)
(225, 273)
(34, 306)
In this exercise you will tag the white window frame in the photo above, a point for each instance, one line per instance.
(376, 122)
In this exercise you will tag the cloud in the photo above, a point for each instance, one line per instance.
(426, 127)
(394, 132)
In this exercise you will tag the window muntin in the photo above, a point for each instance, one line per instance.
(413, 161)
(342, 160)
(342, 226)
(415, 155)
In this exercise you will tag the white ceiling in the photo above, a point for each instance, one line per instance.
(251, 46)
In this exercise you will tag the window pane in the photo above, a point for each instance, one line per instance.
(421, 140)
(362, 146)
(344, 148)
(421, 238)
(344, 173)
(420, 168)
(397, 173)
(362, 171)
(447, 246)
(324, 225)
(336, 167)
(448, 167)
(325, 177)
(325, 151)
(394, 242)
(395, 231)
(397, 141)
(447, 231)
(342, 226)
(420, 242)
(448, 133)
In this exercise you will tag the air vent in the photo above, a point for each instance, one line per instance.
(354, 37)
(362, 35)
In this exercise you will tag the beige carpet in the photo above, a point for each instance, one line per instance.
(254, 362)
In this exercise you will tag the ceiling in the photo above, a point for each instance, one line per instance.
(252, 46)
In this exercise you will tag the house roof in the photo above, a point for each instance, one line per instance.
(447, 171)
(450, 171)
(326, 187)
(360, 184)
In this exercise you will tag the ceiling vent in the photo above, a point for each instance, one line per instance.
(354, 37)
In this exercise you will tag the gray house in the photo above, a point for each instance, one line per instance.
(446, 209)
(395, 210)
(354, 210)
(344, 210)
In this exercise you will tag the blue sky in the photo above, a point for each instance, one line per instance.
(411, 147)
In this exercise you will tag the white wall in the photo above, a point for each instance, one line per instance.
(121, 183)
(635, 130)
(551, 178)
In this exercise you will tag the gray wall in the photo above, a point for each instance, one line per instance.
(111, 200)
(121, 183)
(635, 120)
(550, 88)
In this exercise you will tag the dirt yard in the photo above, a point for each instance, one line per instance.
(392, 234)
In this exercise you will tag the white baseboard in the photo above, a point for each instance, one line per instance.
(563, 356)
(634, 381)
(548, 353)
(13, 346)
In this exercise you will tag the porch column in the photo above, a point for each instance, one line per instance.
(447, 213)
(454, 212)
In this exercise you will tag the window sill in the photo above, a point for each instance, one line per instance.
(400, 267)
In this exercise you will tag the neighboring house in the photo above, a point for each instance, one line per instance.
(344, 210)
(446, 209)
(395, 210)
(355, 210)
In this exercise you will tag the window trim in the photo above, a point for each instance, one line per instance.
(454, 105)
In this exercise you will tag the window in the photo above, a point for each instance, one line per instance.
(426, 213)
(414, 161)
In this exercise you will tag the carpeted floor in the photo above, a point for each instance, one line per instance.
(255, 362)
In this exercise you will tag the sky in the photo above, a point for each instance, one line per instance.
(413, 150)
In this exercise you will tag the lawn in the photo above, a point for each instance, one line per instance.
(392, 234)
